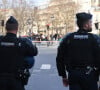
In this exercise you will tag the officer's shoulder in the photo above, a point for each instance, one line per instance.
(95, 35)
(1, 36)
(25, 40)
(67, 36)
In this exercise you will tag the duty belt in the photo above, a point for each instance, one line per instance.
(88, 69)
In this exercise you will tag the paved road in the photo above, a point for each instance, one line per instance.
(44, 74)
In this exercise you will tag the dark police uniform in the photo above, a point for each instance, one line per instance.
(78, 53)
(13, 51)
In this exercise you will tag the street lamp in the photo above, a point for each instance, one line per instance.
(48, 27)
(97, 26)
(29, 21)
(52, 18)
(2, 24)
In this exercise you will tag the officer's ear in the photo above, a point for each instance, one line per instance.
(86, 24)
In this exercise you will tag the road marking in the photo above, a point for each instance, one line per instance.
(36, 71)
(45, 66)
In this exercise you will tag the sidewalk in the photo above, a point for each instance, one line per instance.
(48, 44)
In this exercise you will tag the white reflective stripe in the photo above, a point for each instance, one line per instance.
(7, 44)
(45, 66)
(35, 71)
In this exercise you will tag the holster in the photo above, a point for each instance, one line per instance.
(23, 76)
(97, 74)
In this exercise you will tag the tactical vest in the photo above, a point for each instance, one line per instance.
(10, 55)
(80, 49)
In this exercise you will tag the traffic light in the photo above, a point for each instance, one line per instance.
(2, 23)
(48, 27)
(97, 25)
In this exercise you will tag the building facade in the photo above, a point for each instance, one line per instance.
(59, 15)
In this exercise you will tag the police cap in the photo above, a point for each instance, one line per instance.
(11, 23)
(12, 20)
(83, 16)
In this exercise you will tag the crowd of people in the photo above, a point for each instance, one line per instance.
(42, 37)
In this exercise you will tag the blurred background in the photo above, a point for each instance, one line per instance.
(45, 19)
(45, 22)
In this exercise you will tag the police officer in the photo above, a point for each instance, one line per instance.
(13, 51)
(78, 53)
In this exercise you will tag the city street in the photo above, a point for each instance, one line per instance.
(47, 23)
(44, 74)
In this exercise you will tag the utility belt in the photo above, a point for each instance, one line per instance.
(23, 75)
(81, 67)
(87, 69)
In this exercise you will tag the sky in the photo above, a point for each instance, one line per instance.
(40, 2)
(34, 2)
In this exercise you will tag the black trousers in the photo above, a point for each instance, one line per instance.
(10, 83)
(79, 80)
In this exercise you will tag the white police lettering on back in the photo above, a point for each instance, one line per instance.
(7, 44)
(80, 36)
